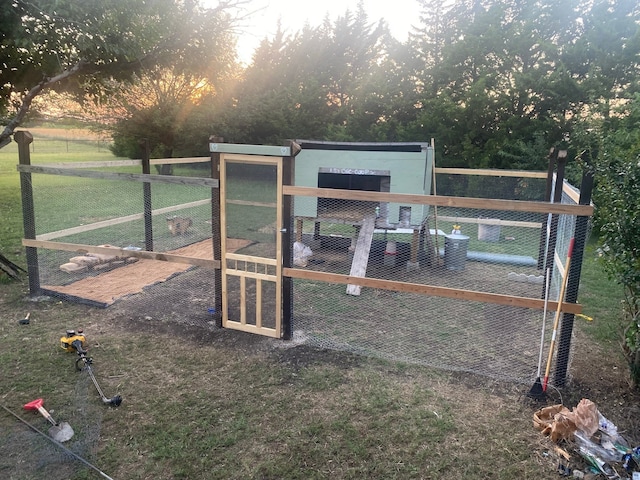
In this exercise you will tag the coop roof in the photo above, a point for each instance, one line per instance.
(363, 146)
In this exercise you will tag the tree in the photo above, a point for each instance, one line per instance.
(83, 47)
(158, 106)
(314, 84)
(612, 148)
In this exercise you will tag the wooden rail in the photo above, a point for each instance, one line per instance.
(121, 252)
(442, 201)
(421, 289)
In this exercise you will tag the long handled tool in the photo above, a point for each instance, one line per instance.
(557, 318)
(57, 443)
(536, 391)
(59, 431)
(76, 342)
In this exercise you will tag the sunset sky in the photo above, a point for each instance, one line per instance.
(399, 14)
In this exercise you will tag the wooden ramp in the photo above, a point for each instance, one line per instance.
(361, 254)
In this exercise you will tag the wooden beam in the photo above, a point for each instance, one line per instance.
(361, 254)
(442, 201)
(522, 302)
(127, 177)
(251, 259)
(252, 204)
(247, 327)
(121, 252)
(490, 172)
(491, 221)
(128, 163)
(118, 221)
(263, 150)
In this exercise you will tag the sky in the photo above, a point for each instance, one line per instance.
(399, 14)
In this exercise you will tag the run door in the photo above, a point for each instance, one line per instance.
(250, 219)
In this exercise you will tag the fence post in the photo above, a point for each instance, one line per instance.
(216, 233)
(24, 139)
(573, 281)
(146, 195)
(288, 177)
(557, 198)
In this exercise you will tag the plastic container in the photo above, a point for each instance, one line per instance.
(490, 231)
(455, 251)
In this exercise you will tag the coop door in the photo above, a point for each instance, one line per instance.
(251, 196)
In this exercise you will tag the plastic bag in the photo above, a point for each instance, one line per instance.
(609, 454)
(301, 254)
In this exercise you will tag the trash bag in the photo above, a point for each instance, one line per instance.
(585, 417)
(555, 422)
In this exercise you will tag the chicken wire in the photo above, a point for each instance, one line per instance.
(111, 212)
(466, 250)
(492, 251)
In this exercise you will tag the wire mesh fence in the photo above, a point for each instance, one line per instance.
(471, 265)
(453, 284)
(44, 146)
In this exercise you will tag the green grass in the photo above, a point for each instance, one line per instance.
(602, 300)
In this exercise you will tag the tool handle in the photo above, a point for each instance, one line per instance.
(563, 287)
(47, 415)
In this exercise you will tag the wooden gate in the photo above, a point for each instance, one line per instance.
(251, 280)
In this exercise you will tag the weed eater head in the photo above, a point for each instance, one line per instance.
(113, 401)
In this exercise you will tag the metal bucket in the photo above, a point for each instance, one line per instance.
(455, 251)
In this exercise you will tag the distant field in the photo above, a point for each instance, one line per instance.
(66, 133)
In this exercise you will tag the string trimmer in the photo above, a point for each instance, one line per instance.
(76, 342)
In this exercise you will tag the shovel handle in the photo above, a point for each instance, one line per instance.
(47, 415)
(37, 405)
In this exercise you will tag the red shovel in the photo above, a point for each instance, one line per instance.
(60, 431)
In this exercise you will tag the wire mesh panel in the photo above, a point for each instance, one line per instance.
(251, 216)
(106, 206)
(376, 269)
(450, 289)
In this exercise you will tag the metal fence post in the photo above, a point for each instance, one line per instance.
(24, 139)
(573, 282)
(216, 233)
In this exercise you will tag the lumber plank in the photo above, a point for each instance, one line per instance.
(121, 252)
(361, 254)
(126, 177)
(119, 220)
(407, 287)
(258, 150)
(490, 172)
(442, 201)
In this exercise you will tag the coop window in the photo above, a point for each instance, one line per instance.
(351, 179)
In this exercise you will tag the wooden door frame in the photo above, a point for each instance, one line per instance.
(260, 269)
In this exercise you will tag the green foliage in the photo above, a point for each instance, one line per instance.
(616, 161)
(89, 47)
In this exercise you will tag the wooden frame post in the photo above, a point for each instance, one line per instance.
(216, 233)
(146, 195)
(573, 282)
(24, 139)
(288, 176)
